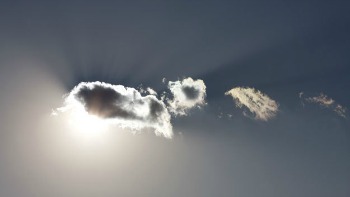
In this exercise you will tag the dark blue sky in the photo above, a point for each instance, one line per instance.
(278, 47)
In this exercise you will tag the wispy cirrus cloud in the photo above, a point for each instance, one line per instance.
(340, 110)
(322, 99)
(327, 102)
(259, 104)
(187, 94)
(119, 105)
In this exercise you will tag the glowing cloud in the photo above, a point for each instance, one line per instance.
(119, 105)
(187, 94)
(259, 104)
(327, 102)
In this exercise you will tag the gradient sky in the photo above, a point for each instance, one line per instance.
(281, 48)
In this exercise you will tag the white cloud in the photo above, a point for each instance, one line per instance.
(340, 110)
(327, 102)
(187, 94)
(322, 99)
(119, 105)
(164, 80)
(259, 104)
(301, 94)
(151, 91)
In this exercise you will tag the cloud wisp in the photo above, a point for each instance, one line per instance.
(186, 94)
(322, 99)
(326, 102)
(119, 105)
(259, 104)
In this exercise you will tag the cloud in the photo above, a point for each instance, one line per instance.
(148, 90)
(259, 104)
(340, 110)
(119, 105)
(327, 102)
(186, 94)
(151, 91)
(322, 99)
(301, 94)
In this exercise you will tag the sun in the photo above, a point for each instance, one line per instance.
(81, 124)
(85, 125)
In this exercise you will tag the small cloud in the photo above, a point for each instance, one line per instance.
(220, 115)
(327, 102)
(259, 104)
(187, 94)
(119, 105)
(340, 110)
(151, 91)
(141, 89)
(301, 94)
(322, 99)
(164, 80)
(54, 113)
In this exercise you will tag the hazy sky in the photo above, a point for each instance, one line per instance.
(282, 129)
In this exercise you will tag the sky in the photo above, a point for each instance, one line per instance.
(174, 98)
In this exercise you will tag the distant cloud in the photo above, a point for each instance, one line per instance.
(340, 110)
(301, 94)
(327, 102)
(322, 99)
(259, 104)
(164, 80)
(187, 94)
(119, 105)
